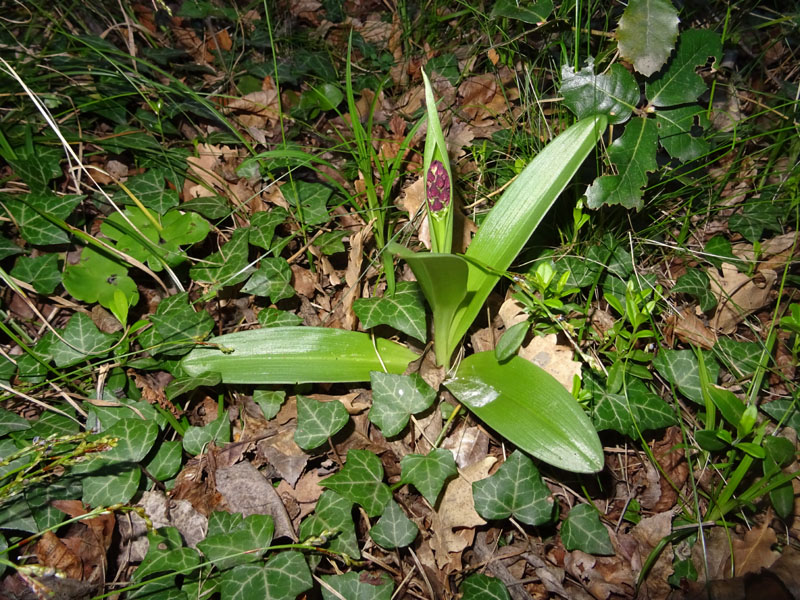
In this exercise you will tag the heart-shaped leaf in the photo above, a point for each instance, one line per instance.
(358, 586)
(250, 535)
(317, 421)
(394, 529)
(482, 587)
(333, 514)
(582, 530)
(284, 577)
(428, 473)
(361, 481)
(404, 310)
(395, 398)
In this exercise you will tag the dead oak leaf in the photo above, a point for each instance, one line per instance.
(754, 551)
(547, 353)
(738, 295)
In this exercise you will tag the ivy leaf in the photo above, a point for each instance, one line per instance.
(405, 310)
(150, 189)
(269, 401)
(108, 482)
(535, 14)
(178, 325)
(167, 461)
(615, 94)
(135, 439)
(428, 473)
(582, 530)
(679, 83)
(211, 207)
(317, 421)
(196, 438)
(783, 411)
(81, 340)
(755, 218)
(284, 577)
(40, 271)
(482, 587)
(642, 410)
(740, 358)
(515, 489)
(333, 513)
(695, 283)
(646, 34)
(96, 278)
(263, 224)
(394, 529)
(166, 554)
(680, 368)
(311, 200)
(361, 481)
(676, 131)
(395, 398)
(225, 549)
(634, 155)
(7, 246)
(359, 586)
(39, 167)
(183, 385)
(10, 421)
(272, 279)
(718, 250)
(33, 227)
(331, 242)
(272, 317)
(228, 266)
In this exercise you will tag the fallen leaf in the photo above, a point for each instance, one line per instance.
(738, 295)
(545, 352)
(754, 552)
(690, 329)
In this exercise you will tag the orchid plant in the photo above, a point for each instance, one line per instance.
(520, 401)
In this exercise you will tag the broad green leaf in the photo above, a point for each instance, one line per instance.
(511, 340)
(284, 577)
(582, 530)
(167, 461)
(680, 368)
(740, 358)
(228, 266)
(40, 499)
(333, 514)
(136, 438)
(269, 401)
(317, 421)
(535, 13)
(109, 482)
(331, 242)
(529, 408)
(718, 250)
(166, 554)
(428, 473)
(263, 224)
(82, 340)
(404, 310)
(178, 325)
(35, 228)
(272, 317)
(150, 189)
(730, 407)
(361, 481)
(394, 529)
(52, 424)
(634, 155)
(309, 199)
(516, 489)
(359, 586)
(7, 246)
(482, 587)
(695, 283)
(273, 279)
(633, 410)
(646, 34)
(679, 83)
(395, 398)
(518, 213)
(615, 94)
(252, 535)
(161, 589)
(756, 216)
(196, 438)
(10, 421)
(95, 278)
(40, 271)
(39, 167)
(182, 385)
(676, 128)
(211, 207)
(296, 355)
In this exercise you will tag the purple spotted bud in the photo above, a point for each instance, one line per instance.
(438, 187)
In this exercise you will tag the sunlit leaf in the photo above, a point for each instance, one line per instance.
(633, 410)
(273, 317)
(646, 34)
(196, 438)
(582, 530)
(252, 535)
(394, 529)
(166, 554)
(228, 266)
(681, 131)
(511, 340)
(333, 513)
(182, 385)
(135, 439)
(535, 13)
(317, 421)
(178, 325)
(40, 271)
(395, 398)
(404, 310)
(361, 481)
(359, 586)
(428, 472)
(269, 401)
(614, 94)
(680, 368)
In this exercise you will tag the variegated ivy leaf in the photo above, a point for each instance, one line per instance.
(228, 266)
(167, 461)
(284, 577)
(10, 421)
(150, 189)
(272, 279)
(317, 421)
(40, 271)
(695, 283)
(108, 482)
(333, 514)
(38, 167)
(263, 224)
(250, 534)
(405, 310)
(680, 368)
(166, 554)
(269, 401)
(515, 489)
(634, 409)
(33, 227)
(82, 340)
(178, 325)
(394, 529)
(482, 587)
(395, 398)
(358, 586)
(428, 473)
(582, 530)
(135, 439)
(182, 385)
(272, 317)
(361, 480)
(196, 438)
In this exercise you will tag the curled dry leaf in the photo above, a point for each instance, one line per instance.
(738, 295)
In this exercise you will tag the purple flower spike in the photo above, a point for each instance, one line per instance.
(438, 187)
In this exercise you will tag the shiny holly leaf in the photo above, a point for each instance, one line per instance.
(269, 401)
(183, 385)
(614, 94)
(680, 368)
(272, 317)
(680, 131)
(178, 325)
(35, 228)
(582, 530)
(646, 34)
(273, 279)
(516, 489)
(82, 340)
(250, 535)
(405, 310)
(633, 410)
(679, 83)
(482, 587)
(228, 266)
(284, 577)
(150, 189)
(333, 514)
(428, 473)
(361, 481)
(358, 586)
(395, 398)
(695, 283)
(394, 529)
(40, 271)
(317, 421)
(263, 224)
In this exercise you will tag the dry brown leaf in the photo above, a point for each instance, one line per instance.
(170, 512)
(648, 533)
(601, 575)
(690, 329)
(545, 352)
(54, 553)
(512, 311)
(754, 551)
(738, 295)
(284, 455)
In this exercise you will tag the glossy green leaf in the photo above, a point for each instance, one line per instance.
(211, 207)
(614, 94)
(515, 489)
(535, 13)
(272, 279)
(183, 385)
(269, 401)
(35, 228)
(284, 577)
(167, 461)
(37, 167)
(296, 355)
(108, 482)
(82, 340)
(634, 155)
(394, 529)
(582, 530)
(273, 317)
(150, 189)
(757, 216)
(740, 358)
(634, 409)
(228, 266)
(646, 34)
(40, 271)
(7, 246)
(511, 340)
(135, 439)
(530, 409)
(196, 438)
(730, 407)
(695, 283)
(361, 481)
(178, 325)
(251, 534)
(404, 310)
(10, 421)
(310, 200)
(317, 421)
(482, 587)
(359, 586)
(95, 278)
(331, 242)
(677, 129)
(428, 472)
(333, 513)
(395, 398)
(680, 368)
(166, 554)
